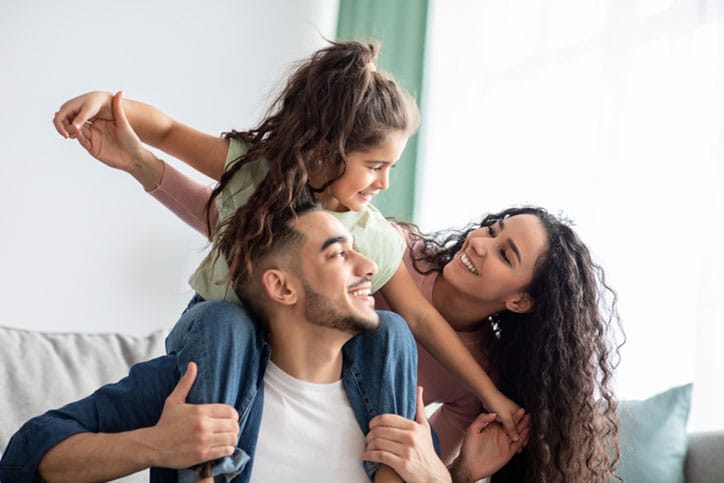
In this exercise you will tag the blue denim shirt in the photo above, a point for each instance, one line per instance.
(137, 401)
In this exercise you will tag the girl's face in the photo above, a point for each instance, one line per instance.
(496, 263)
(366, 175)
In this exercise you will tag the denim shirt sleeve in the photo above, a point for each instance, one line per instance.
(134, 402)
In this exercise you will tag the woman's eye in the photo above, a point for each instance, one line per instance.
(491, 232)
(504, 256)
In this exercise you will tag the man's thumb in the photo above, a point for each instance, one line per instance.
(181, 391)
(420, 417)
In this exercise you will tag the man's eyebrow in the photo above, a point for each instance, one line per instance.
(511, 243)
(332, 241)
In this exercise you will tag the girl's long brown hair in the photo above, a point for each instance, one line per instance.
(334, 103)
(556, 361)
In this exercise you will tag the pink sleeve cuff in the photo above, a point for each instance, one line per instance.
(185, 197)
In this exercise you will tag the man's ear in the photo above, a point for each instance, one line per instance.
(279, 286)
(521, 303)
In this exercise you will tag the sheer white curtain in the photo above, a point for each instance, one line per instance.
(613, 113)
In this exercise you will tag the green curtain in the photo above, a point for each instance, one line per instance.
(400, 26)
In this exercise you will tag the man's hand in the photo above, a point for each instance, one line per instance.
(487, 447)
(406, 446)
(189, 434)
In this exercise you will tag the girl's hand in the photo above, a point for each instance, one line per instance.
(487, 448)
(406, 446)
(76, 112)
(115, 143)
(507, 412)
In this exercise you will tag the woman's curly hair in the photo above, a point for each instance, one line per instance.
(556, 361)
(334, 103)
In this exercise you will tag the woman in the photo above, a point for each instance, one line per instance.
(522, 292)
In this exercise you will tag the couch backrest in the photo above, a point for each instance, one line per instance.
(41, 371)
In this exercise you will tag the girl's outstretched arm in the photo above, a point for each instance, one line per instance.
(436, 335)
(201, 151)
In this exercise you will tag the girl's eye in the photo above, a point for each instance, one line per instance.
(375, 168)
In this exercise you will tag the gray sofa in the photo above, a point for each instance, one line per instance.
(40, 371)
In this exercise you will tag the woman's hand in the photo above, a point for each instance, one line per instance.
(406, 446)
(73, 114)
(115, 143)
(487, 447)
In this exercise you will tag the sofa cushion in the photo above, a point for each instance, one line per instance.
(41, 371)
(653, 438)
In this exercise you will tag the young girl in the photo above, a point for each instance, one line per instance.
(556, 357)
(338, 127)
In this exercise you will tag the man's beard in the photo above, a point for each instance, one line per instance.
(320, 310)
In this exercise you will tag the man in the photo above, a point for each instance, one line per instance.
(307, 423)
(312, 291)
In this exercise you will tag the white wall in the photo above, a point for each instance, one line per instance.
(82, 246)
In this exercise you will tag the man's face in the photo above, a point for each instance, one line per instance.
(335, 278)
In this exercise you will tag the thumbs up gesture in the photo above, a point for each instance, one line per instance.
(189, 434)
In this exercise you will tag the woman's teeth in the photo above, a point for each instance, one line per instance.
(468, 264)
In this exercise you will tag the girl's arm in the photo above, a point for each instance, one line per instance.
(201, 151)
(436, 335)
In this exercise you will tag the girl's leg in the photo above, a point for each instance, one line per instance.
(381, 369)
(380, 373)
(222, 339)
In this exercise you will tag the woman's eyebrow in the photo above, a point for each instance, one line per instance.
(511, 243)
(515, 250)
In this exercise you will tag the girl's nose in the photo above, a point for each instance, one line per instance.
(383, 179)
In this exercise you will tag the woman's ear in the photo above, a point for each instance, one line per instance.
(278, 286)
(520, 304)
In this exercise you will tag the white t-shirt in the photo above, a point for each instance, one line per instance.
(308, 433)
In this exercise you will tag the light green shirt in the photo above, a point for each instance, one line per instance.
(373, 235)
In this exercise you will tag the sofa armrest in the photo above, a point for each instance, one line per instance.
(705, 457)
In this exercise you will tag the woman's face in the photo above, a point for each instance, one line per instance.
(496, 262)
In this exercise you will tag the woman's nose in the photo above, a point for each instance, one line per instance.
(479, 245)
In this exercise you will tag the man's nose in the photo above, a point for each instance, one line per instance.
(364, 266)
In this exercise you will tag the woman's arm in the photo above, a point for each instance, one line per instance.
(117, 145)
(201, 151)
(440, 340)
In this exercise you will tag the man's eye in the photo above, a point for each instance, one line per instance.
(341, 254)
